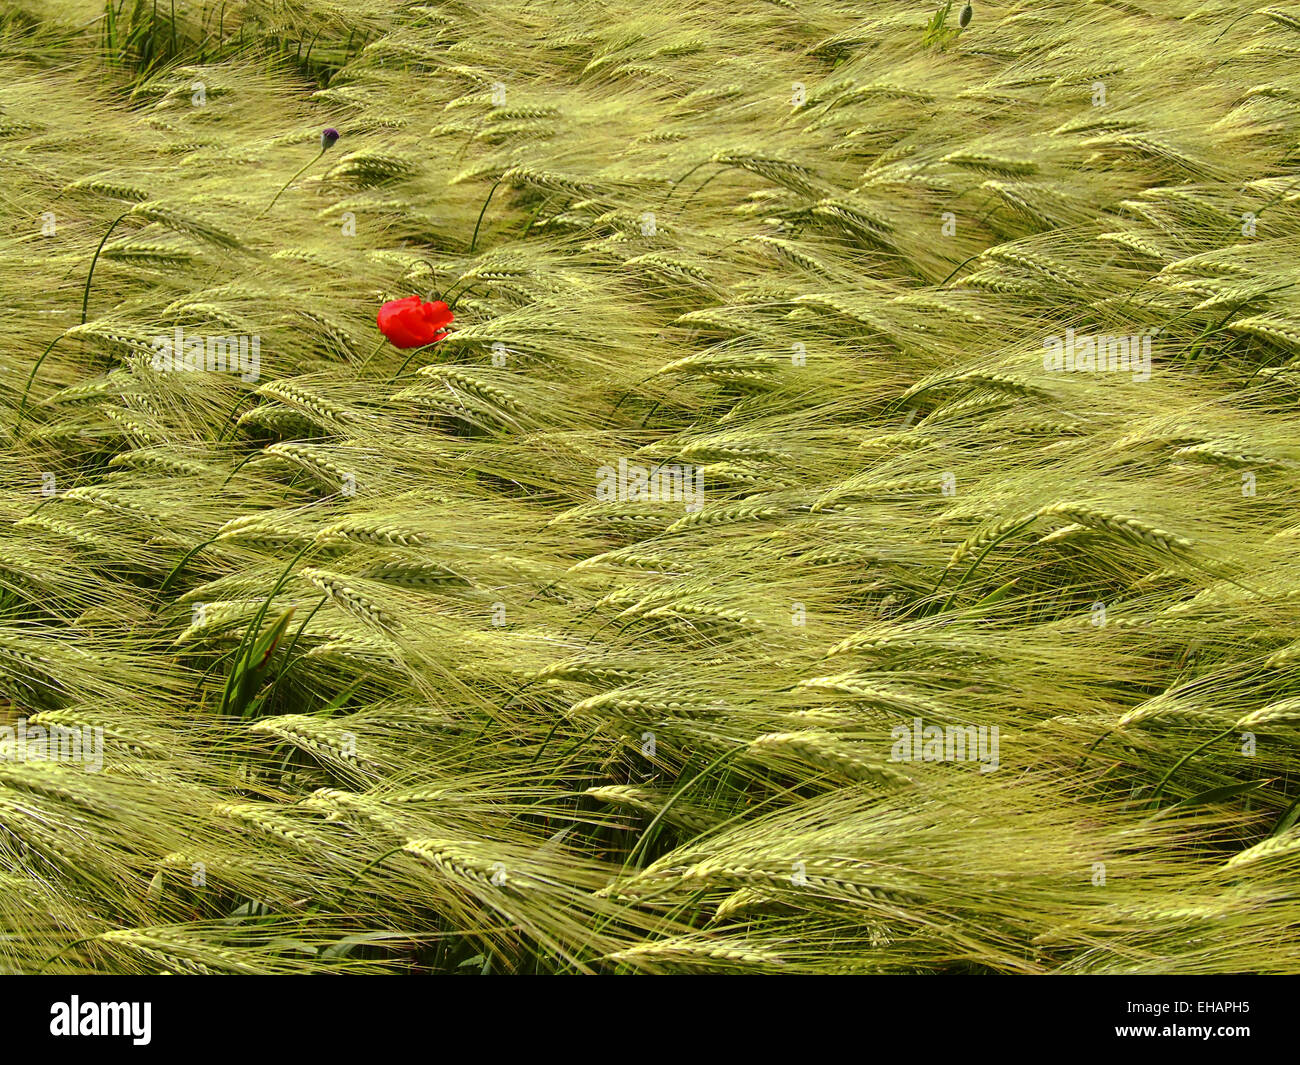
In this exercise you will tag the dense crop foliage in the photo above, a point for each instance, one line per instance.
(850, 526)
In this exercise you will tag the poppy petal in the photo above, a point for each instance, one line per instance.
(412, 323)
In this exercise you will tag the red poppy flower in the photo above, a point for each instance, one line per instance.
(412, 323)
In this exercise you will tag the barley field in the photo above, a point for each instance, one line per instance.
(846, 520)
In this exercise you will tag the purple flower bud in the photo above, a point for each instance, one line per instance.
(327, 138)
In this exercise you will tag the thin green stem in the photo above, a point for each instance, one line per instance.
(1155, 795)
(491, 192)
(22, 402)
(290, 182)
(85, 296)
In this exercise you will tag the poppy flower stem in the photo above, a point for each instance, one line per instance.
(688, 173)
(85, 295)
(366, 361)
(433, 274)
(230, 418)
(408, 361)
(491, 192)
(536, 214)
(702, 185)
(22, 402)
(1155, 795)
(456, 299)
(162, 588)
(239, 466)
(628, 391)
(971, 259)
(290, 182)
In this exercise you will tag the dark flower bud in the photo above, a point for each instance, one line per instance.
(327, 138)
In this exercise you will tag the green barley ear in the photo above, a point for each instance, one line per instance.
(185, 222)
(958, 657)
